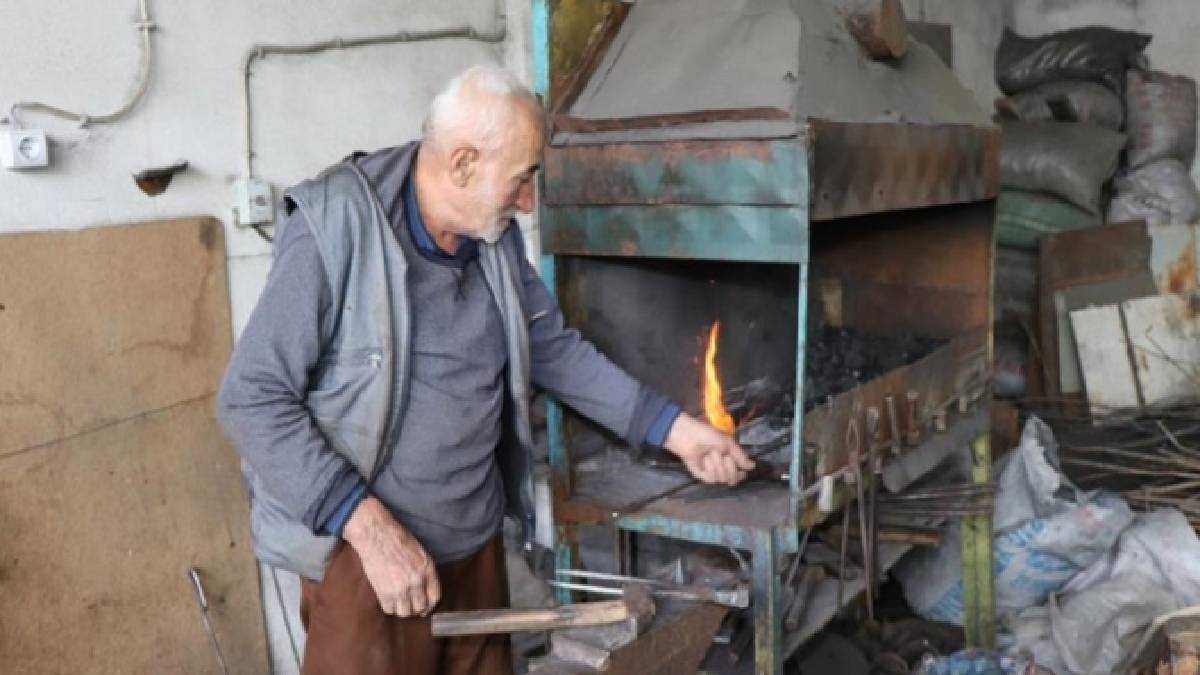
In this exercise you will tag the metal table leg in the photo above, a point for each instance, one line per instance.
(764, 597)
(979, 611)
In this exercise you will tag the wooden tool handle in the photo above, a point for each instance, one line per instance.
(486, 621)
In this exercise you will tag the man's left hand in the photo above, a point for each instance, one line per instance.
(708, 454)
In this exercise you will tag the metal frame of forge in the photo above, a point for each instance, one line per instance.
(710, 229)
(748, 236)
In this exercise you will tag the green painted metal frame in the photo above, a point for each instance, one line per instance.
(727, 232)
(761, 235)
(979, 593)
(677, 219)
(771, 173)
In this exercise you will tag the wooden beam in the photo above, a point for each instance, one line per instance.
(879, 26)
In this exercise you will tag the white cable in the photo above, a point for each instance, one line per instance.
(261, 51)
(143, 83)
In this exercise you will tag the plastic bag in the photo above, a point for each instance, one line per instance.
(1098, 619)
(1068, 159)
(1160, 193)
(1094, 54)
(977, 662)
(1066, 101)
(1162, 117)
(1046, 532)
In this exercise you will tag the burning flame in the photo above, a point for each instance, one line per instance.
(714, 407)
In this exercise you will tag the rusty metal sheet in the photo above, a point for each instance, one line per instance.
(581, 125)
(871, 168)
(957, 371)
(899, 272)
(746, 233)
(751, 172)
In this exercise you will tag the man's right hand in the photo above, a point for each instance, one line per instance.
(398, 568)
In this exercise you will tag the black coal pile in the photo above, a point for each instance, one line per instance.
(839, 359)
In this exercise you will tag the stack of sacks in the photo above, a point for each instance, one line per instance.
(1075, 100)
(1155, 185)
(1065, 111)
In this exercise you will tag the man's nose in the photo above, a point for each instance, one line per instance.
(524, 202)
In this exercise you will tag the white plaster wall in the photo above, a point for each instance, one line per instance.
(977, 27)
(309, 111)
(1174, 25)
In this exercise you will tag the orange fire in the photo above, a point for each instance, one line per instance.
(714, 407)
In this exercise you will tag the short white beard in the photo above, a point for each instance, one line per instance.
(493, 232)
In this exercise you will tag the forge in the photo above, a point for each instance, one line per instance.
(833, 215)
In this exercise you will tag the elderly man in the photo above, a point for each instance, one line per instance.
(379, 394)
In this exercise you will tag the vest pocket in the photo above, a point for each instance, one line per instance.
(348, 399)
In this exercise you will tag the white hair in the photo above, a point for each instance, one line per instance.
(462, 111)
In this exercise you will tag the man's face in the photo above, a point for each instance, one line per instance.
(506, 179)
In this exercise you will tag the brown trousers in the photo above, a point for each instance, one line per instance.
(348, 634)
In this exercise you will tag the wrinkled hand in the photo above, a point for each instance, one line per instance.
(398, 568)
(708, 454)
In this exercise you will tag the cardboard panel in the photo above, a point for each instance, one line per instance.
(114, 477)
(108, 322)
(99, 532)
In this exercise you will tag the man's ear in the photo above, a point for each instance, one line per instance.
(464, 161)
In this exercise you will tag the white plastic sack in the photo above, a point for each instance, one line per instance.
(1099, 617)
(1160, 193)
(1046, 531)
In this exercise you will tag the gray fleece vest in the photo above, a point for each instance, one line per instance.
(366, 340)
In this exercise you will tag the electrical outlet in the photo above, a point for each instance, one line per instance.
(24, 149)
(253, 202)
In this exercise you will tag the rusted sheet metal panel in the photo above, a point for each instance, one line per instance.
(871, 168)
(584, 125)
(958, 370)
(1173, 258)
(899, 272)
(763, 173)
(896, 308)
(745, 233)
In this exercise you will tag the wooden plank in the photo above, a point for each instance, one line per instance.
(879, 26)
(486, 621)
(99, 532)
(1069, 299)
(1107, 373)
(1079, 257)
(104, 323)
(1164, 333)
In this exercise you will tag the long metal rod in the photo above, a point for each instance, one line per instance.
(735, 599)
(202, 603)
(605, 576)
